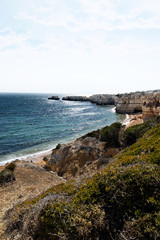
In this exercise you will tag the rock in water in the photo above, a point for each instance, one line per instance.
(54, 98)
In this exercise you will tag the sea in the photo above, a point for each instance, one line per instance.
(31, 124)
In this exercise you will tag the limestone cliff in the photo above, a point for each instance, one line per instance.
(104, 99)
(151, 105)
(146, 102)
(130, 103)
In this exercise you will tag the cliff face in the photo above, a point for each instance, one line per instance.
(129, 103)
(104, 99)
(146, 102)
(80, 158)
(151, 105)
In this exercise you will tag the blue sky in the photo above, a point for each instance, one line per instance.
(79, 46)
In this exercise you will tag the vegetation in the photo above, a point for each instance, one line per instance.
(115, 135)
(58, 146)
(7, 175)
(110, 135)
(120, 202)
(132, 134)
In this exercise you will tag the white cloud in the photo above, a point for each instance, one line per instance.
(10, 39)
(97, 15)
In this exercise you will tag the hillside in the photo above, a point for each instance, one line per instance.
(121, 202)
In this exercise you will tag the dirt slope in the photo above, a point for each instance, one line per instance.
(30, 181)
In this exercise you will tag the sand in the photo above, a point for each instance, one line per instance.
(135, 119)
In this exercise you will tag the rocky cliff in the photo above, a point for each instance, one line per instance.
(80, 158)
(146, 102)
(104, 99)
(129, 103)
(151, 105)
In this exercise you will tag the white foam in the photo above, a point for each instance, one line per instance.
(127, 120)
(113, 109)
(31, 156)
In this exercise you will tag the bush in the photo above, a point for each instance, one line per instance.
(11, 166)
(132, 134)
(58, 146)
(145, 150)
(94, 134)
(104, 207)
(110, 135)
(121, 202)
(7, 174)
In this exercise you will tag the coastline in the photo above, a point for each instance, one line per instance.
(37, 158)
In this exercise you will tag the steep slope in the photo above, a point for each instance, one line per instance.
(121, 202)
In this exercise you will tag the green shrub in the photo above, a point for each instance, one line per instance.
(105, 206)
(146, 149)
(58, 146)
(132, 134)
(6, 176)
(110, 135)
(11, 166)
(95, 134)
(121, 202)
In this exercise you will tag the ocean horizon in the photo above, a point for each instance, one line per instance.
(31, 124)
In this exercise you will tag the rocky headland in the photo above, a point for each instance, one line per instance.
(146, 102)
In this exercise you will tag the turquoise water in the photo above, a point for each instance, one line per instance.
(30, 123)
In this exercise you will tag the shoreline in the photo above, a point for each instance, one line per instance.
(37, 158)
(30, 157)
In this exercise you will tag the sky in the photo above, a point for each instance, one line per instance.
(79, 46)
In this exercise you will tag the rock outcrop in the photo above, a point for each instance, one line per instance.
(80, 158)
(151, 105)
(54, 98)
(146, 102)
(129, 103)
(75, 98)
(104, 99)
